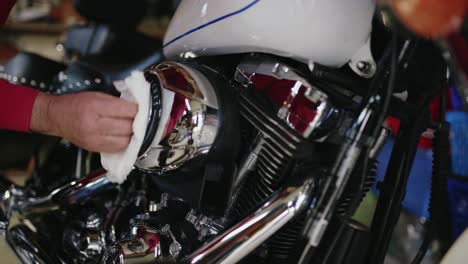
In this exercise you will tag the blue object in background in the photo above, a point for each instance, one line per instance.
(458, 185)
(457, 101)
(419, 183)
(458, 204)
(459, 141)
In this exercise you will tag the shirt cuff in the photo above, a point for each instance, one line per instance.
(16, 105)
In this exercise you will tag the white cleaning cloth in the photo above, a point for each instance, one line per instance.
(135, 89)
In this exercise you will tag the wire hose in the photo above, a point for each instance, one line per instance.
(390, 53)
(439, 196)
(440, 171)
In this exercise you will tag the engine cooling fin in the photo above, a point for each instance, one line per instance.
(280, 143)
(353, 188)
(282, 244)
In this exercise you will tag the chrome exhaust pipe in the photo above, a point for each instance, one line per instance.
(240, 240)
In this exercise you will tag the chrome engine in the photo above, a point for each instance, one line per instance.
(230, 164)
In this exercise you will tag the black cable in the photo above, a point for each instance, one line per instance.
(423, 248)
(443, 105)
(438, 183)
(382, 234)
(408, 159)
(331, 76)
(383, 113)
(391, 86)
(429, 226)
(374, 85)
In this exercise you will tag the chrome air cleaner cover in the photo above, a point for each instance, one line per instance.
(184, 118)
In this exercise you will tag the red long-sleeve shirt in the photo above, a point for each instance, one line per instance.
(16, 102)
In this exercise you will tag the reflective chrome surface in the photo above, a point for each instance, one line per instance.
(240, 240)
(74, 192)
(145, 247)
(305, 108)
(204, 225)
(379, 142)
(85, 238)
(189, 118)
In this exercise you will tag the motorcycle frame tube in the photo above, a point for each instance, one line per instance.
(394, 185)
(71, 193)
(397, 176)
(392, 192)
(240, 240)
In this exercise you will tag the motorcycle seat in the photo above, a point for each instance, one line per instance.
(31, 70)
(99, 71)
(92, 72)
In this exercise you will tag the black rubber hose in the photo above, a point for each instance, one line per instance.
(380, 120)
(337, 78)
(440, 171)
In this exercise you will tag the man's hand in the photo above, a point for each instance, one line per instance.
(94, 121)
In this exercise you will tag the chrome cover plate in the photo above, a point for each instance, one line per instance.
(306, 108)
(189, 118)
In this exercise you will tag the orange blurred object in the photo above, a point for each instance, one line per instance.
(431, 18)
(65, 12)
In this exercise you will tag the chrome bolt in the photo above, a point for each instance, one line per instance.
(154, 206)
(364, 67)
(175, 248)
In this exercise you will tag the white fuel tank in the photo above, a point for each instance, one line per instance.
(329, 32)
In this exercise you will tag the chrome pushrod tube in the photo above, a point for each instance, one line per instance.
(240, 240)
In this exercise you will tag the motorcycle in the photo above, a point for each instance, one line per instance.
(261, 142)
